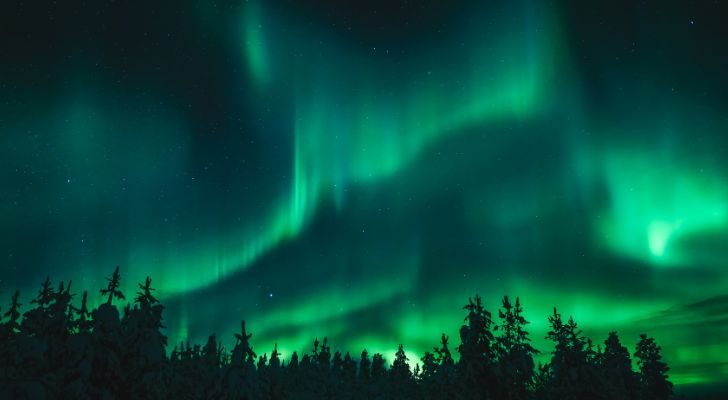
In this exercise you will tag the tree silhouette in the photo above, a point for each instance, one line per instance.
(56, 350)
(439, 380)
(83, 322)
(112, 289)
(653, 378)
(242, 352)
(145, 297)
(364, 367)
(275, 360)
(45, 294)
(401, 385)
(349, 369)
(616, 366)
(515, 353)
(444, 357)
(476, 352)
(378, 367)
(12, 325)
(572, 375)
(429, 368)
(400, 367)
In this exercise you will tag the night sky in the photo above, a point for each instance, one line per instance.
(356, 170)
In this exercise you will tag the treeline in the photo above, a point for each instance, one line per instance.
(61, 349)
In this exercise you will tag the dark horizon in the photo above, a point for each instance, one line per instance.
(59, 348)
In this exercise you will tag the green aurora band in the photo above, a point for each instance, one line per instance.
(617, 215)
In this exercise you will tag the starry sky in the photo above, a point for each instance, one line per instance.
(356, 170)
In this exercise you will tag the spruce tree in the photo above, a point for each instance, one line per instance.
(349, 369)
(293, 363)
(45, 294)
(112, 289)
(11, 325)
(653, 378)
(275, 360)
(476, 351)
(429, 368)
(323, 357)
(400, 370)
(573, 376)
(210, 354)
(145, 297)
(616, 368)
(515, 353)
(242, 352)
(83, 321)
(400, 377)
(378, 368)
(364, 367)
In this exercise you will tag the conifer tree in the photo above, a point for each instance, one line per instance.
(476, 351)
(653, 378)
(143, 324)
(275, 361)
(112, 289)
(210, 353)
(400, 370)
(45, 294)
(58, 310)
(323, 357)
(429, 368)
(378, 368)
(445, 375)
(337, 366)
(349, 369)
(444, 357)
(401, 381)
(378, 382)
(262, 361)
(242, 352)
(573, 376)
(293, 363)
(83, 322)
(12, 325)
(515, 353)
(566, 359)
(107, 333)
(364, 367)
(36, 320)
(145, 297)
(616, 368)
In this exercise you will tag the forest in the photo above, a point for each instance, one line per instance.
(61, 349)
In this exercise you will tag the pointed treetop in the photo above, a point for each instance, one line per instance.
(112, 289)
(145, 297)
(45, 294)
(242, 347)
(13, 314)
(243, 336)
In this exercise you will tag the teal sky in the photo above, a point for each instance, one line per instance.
(359, 171)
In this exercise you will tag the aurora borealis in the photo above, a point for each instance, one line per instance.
(357, 172)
